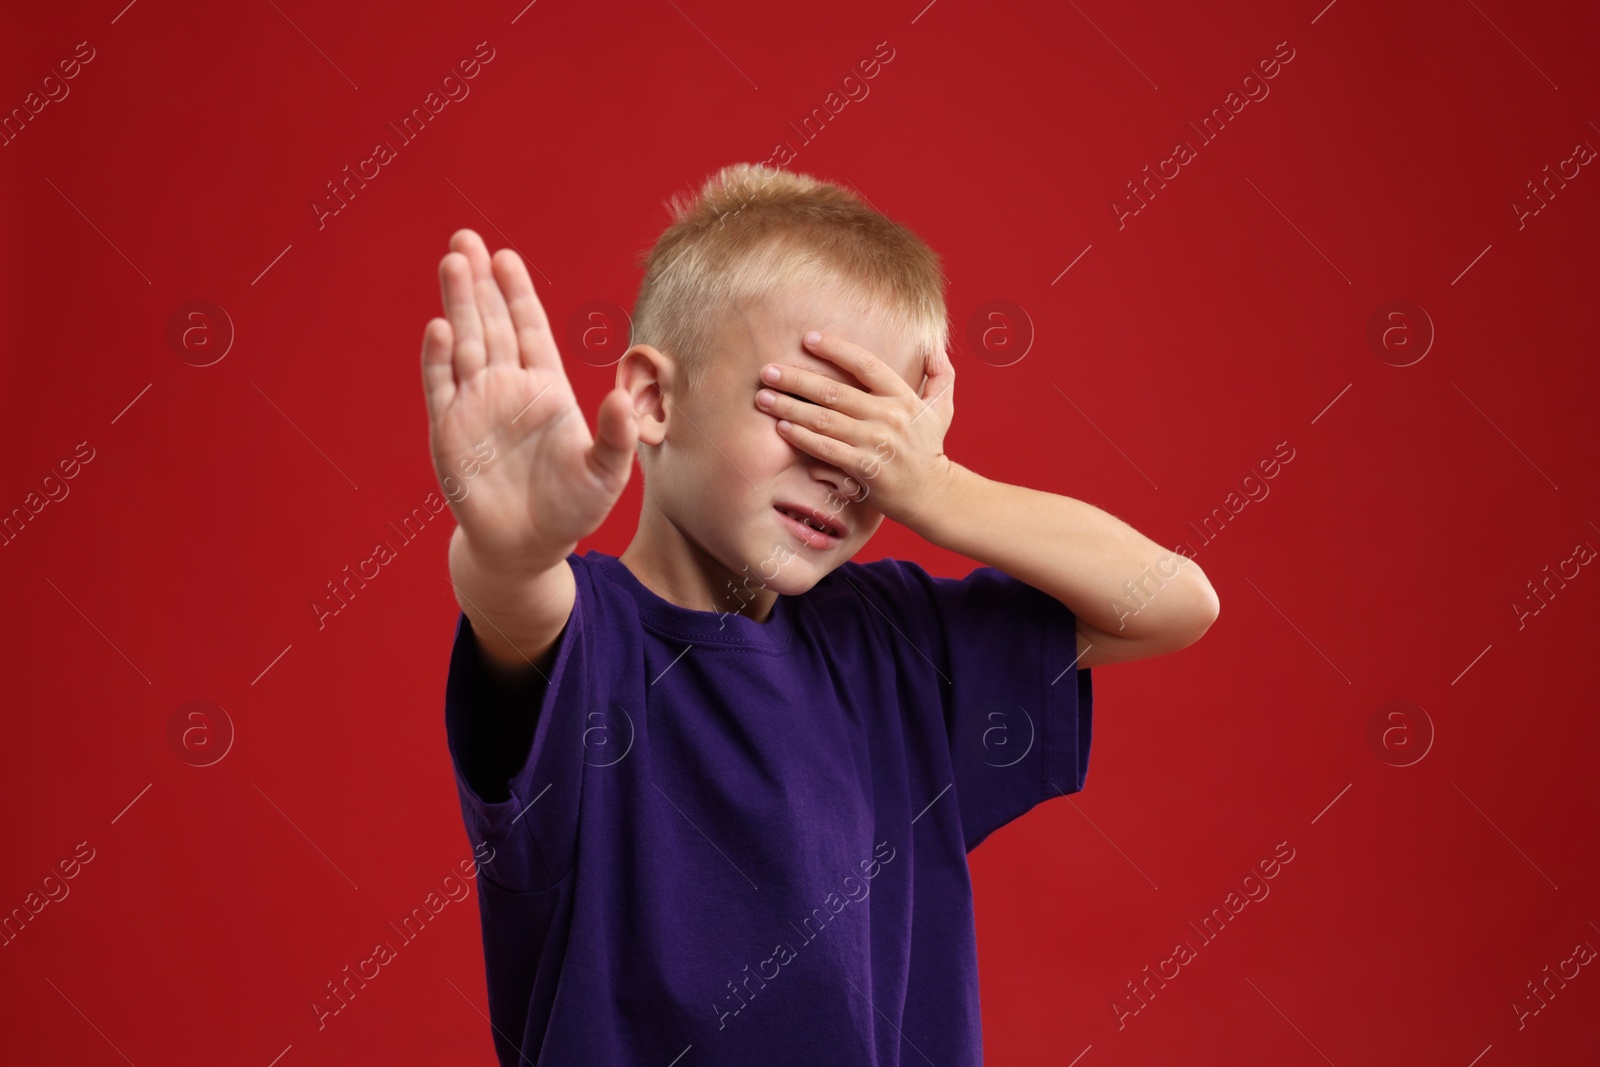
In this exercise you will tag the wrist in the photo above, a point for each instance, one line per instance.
(509, 565)
(943, 504)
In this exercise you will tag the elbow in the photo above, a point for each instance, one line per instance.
(1207, 608)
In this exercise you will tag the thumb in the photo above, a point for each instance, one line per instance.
(617, 432)
(941, 375)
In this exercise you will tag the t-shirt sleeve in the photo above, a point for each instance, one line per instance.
(517, 749)
(1017, 709)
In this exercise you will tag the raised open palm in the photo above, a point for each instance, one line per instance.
(501, 409)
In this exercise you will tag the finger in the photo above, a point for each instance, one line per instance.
(438, 376)
(940, 369)
(618, 432)
(500, 340)
(821, 446)
(872, 372)
(528, 319)
(469, 244)
(819, 389)
(461, 308)
(938, 389)
(830, 421)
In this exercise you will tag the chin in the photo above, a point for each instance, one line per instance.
(802, 571)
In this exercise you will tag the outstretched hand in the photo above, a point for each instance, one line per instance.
(513, 454)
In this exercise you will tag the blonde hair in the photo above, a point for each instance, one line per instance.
(753, 232)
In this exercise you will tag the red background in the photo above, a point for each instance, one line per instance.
(1229, 315)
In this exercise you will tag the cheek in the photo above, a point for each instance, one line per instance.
(736, 474)
(759, 438)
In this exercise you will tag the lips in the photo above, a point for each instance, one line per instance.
(829, 525)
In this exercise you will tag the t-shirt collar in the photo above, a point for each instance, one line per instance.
(731, 627)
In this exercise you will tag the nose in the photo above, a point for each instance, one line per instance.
(846, 486)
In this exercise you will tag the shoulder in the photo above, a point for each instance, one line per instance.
(901, 589)
(896, 580)
(604, 598)
(895, 598)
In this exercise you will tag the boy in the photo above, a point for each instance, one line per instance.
(728, 780)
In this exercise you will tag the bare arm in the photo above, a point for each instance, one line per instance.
(516, 619)
(514, 456)
(1133, 598)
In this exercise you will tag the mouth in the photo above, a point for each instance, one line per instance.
(811, 527)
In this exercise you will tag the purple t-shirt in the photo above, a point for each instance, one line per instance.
(721, 841)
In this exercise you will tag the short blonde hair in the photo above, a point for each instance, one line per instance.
(754, 232)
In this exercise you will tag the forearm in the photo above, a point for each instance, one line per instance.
(1107, 573)
(516, 612)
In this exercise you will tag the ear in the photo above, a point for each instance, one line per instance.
(646, 374)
